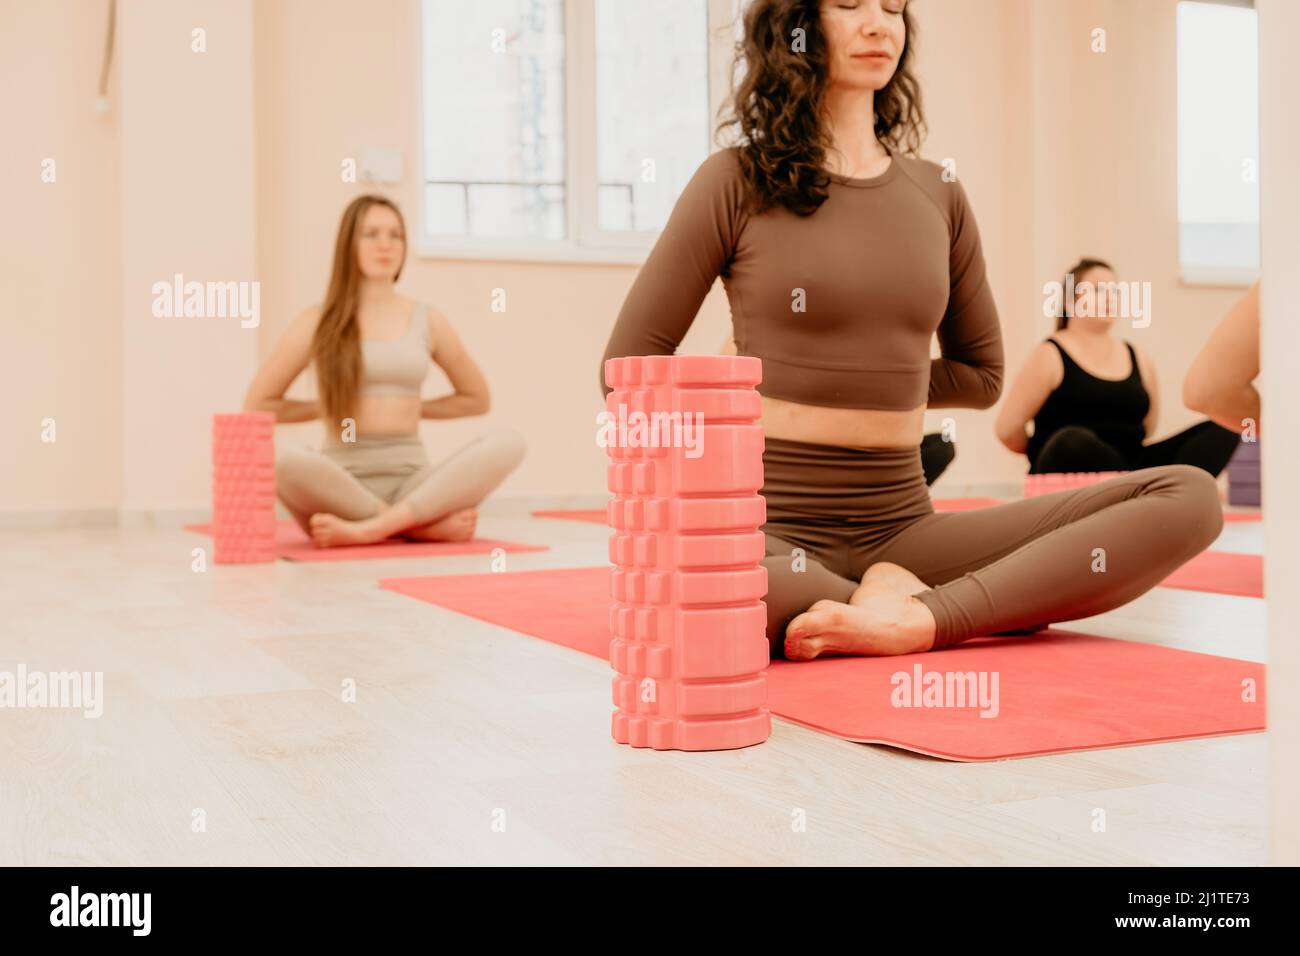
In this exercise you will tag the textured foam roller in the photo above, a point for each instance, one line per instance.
(1046, 484)
(243, 488)
(687, 618)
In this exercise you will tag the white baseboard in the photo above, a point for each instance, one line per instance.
(143, 519)
(522, 505)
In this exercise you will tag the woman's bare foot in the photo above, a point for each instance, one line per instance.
(880, 622)
(882, 617)
(331, 531)
(893, 577)
(457, 526)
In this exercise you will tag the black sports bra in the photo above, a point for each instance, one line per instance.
(1115, 410)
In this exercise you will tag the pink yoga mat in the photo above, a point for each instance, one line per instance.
(1057, 692)
(1221, 572)
(292, 544)
(1234, 517)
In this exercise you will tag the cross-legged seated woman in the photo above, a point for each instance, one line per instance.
(819, 207)
(371, 349)
(1093, 399)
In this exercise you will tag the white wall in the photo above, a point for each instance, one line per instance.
(1279, 25)
(188, 206)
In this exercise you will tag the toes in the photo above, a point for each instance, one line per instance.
(822, 615)
(802, 648)
(819, 618)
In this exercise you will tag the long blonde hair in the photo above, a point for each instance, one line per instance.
(336, 346)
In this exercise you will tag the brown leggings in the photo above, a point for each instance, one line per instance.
(1012, 567)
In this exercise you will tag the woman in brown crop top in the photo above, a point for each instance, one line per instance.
(842, 255)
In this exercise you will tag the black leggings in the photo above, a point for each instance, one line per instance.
(1207, 445)
(936, 455)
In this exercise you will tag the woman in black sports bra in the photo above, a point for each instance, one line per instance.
(1089, 422)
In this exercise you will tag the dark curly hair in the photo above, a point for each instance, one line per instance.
(776, 105)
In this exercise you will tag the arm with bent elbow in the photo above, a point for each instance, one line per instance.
(291, 354)
(470, 394)
(688, 257)
(969, 372)
(1219, 382)
(1026, 397)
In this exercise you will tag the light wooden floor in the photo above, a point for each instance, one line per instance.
(224, 695)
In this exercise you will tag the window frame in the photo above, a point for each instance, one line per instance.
(584, 240)
(1209, 277)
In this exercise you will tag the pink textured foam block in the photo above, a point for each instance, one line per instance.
(1221, 572)
(243, 487)
(290, 543)
(686, 619)
(1058, 691)
(1046, 484)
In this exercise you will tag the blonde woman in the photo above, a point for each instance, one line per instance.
(371, 348)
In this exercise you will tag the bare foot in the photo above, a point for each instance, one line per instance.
(881, 622)
(886, 576)
(331, 531)
(893, 577)
(457, 526)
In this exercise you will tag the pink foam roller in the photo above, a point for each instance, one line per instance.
(1036, 485)
(243, 488)
(687, 619)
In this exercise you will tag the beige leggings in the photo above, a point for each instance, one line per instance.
(360, 479)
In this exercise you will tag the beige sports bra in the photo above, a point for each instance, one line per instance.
(397, 366)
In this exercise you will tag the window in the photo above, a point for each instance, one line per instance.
(1218, 141)
(652, 111)
(560, 128)
(494, 130)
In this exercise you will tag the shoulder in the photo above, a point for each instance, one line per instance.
(1047, 361)
(720, 175)
(305, 322)
(1049, 354)
(715, 197)
(437, 326)
(721, 164)
(1048, 351)
(938, 182)
(1145, 366)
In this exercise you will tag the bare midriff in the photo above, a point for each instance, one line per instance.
(383, 416)
(850, 427)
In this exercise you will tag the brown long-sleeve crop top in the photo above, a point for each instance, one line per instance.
(839, 305)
